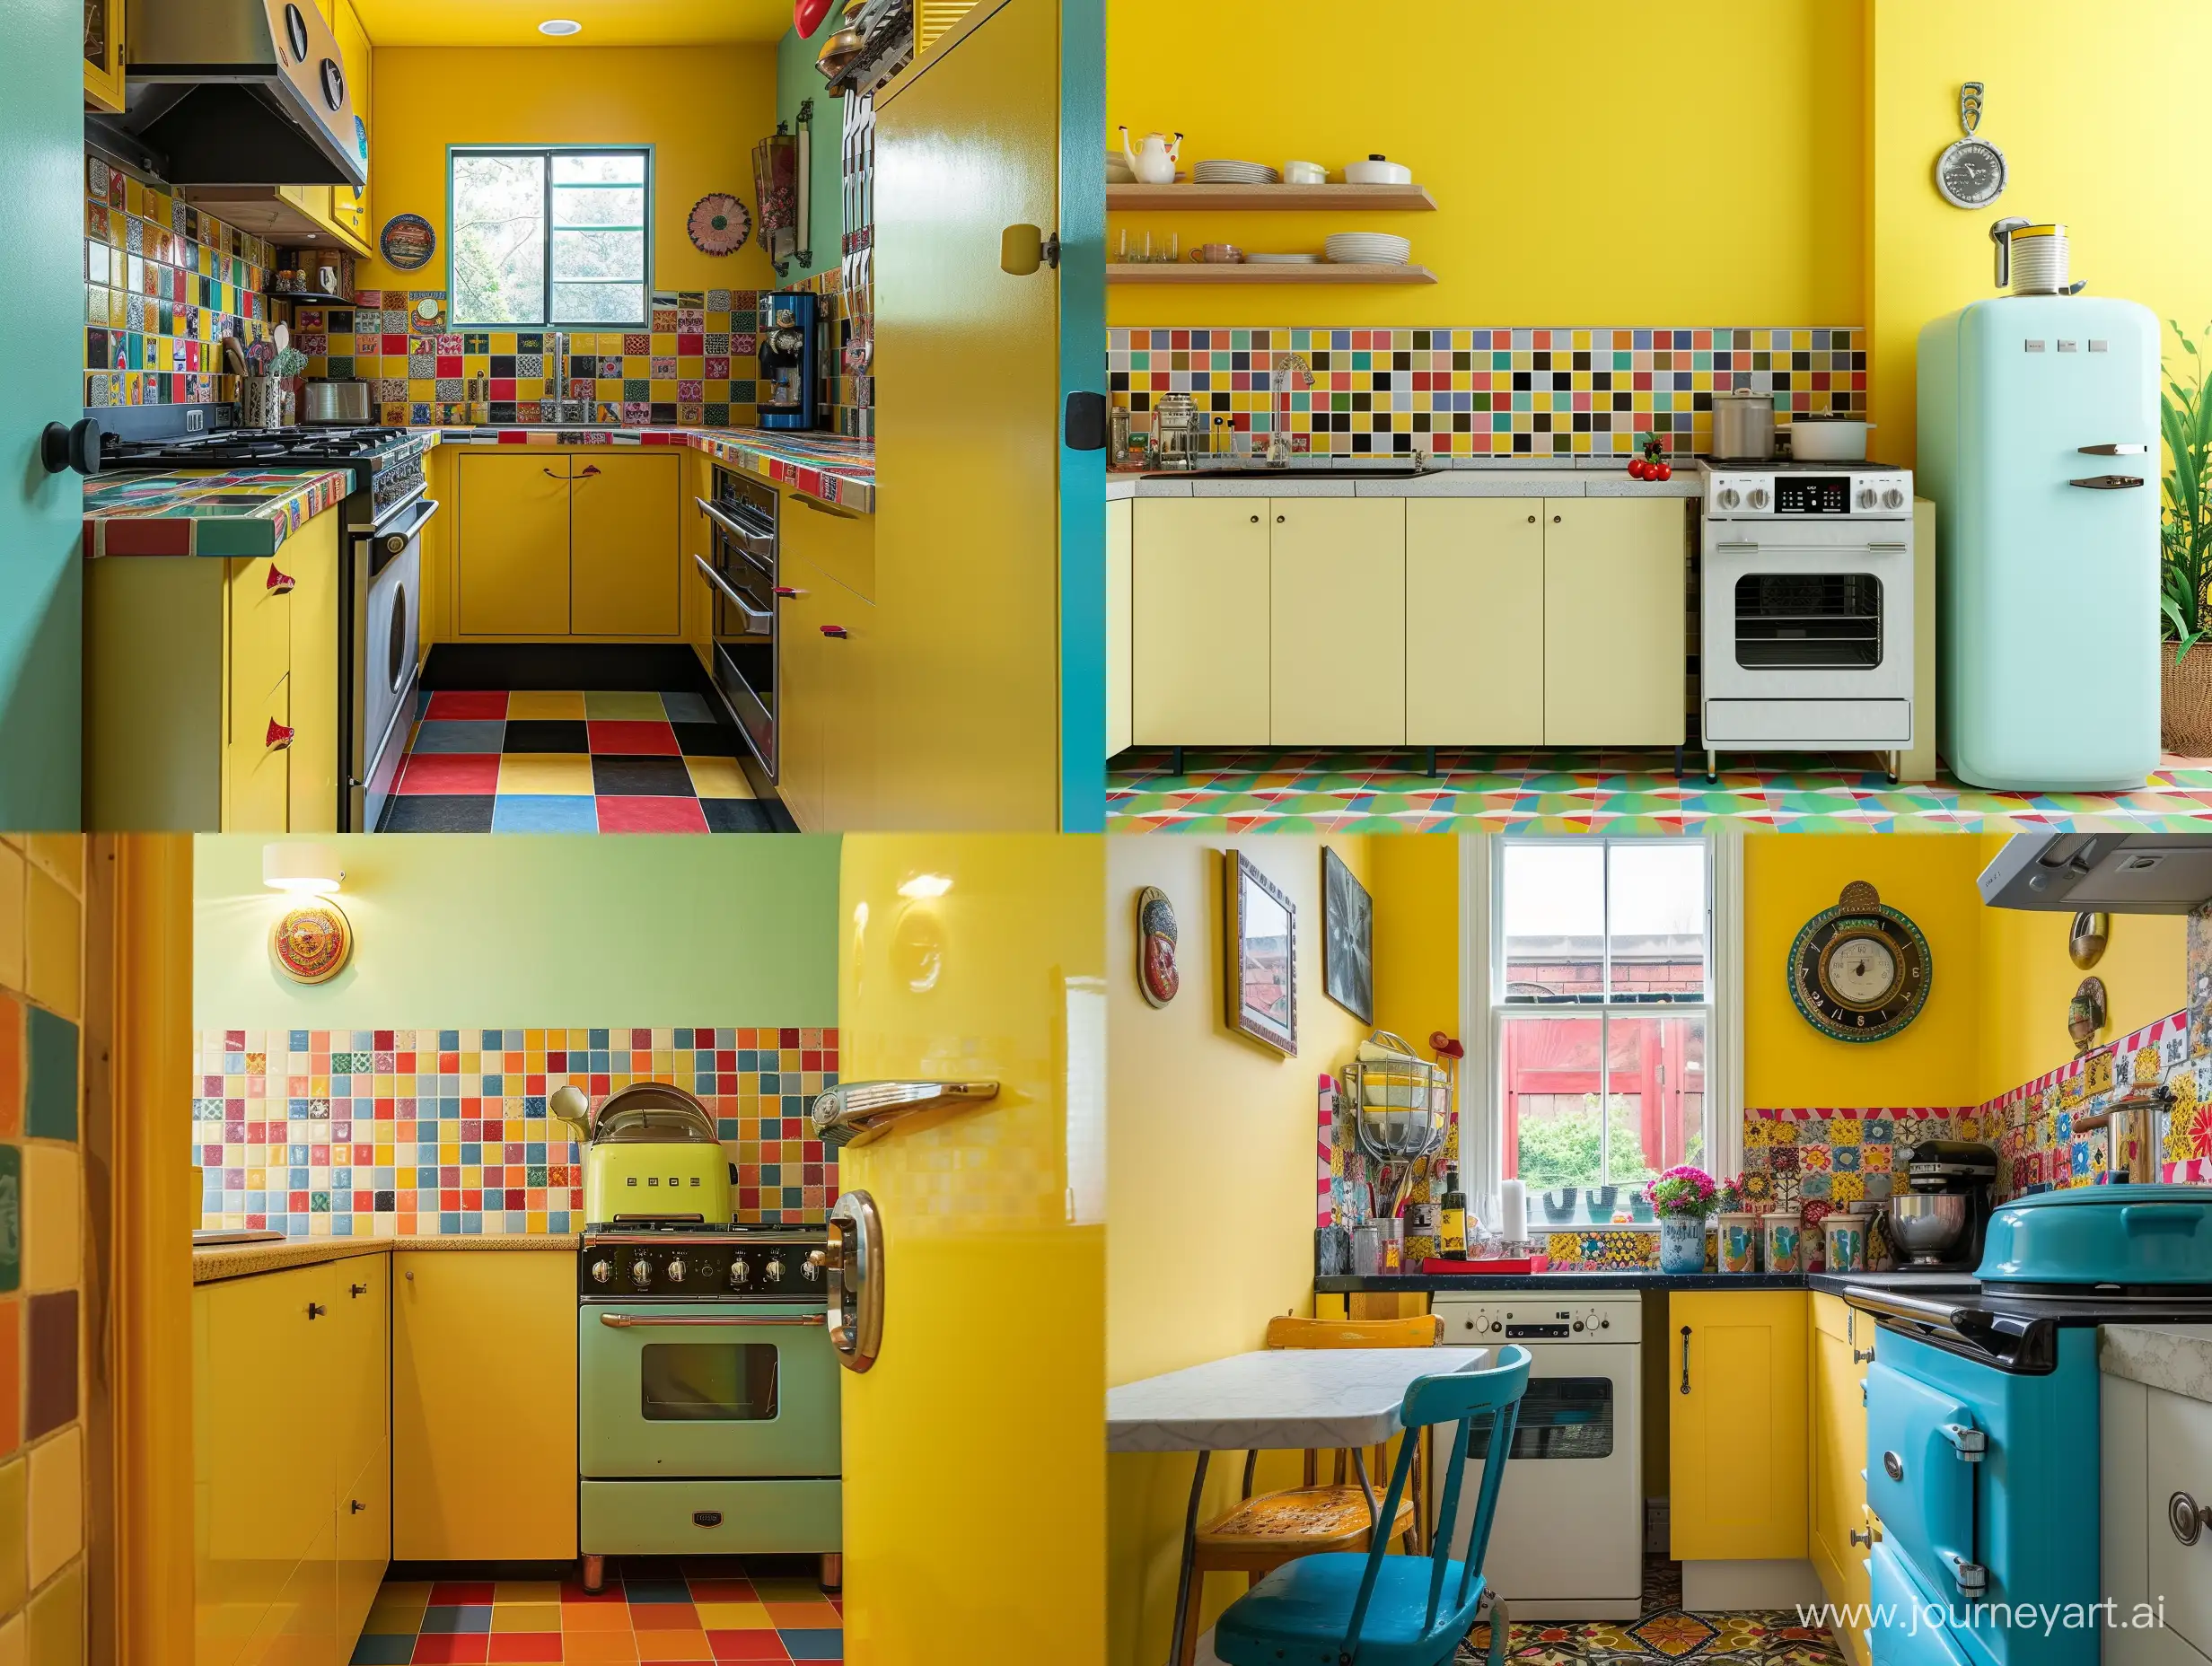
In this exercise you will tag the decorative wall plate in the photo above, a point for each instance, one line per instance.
(719, 223)
(407, 241)
(1970, 173)
(1860, 972)
(1156, 974)
(313, 943)
(2085, 1014)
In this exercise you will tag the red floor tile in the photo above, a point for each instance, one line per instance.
(460, 1593)
(450, 772)
(442, 1648)
(468, 703)
(619, 814)
(747, 1645)
(644, 737)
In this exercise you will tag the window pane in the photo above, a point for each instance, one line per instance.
(1657, 1095)
(604, 206)
(599, 303)
(1553, 908)
(1656, 898)
(1549, 1084)
(706, 1381)
(499, 240)
(598, 254)
(599, 167)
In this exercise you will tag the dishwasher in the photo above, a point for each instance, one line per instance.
(1568, 1539)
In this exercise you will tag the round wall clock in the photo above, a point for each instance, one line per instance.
(313, 943)
(1860, 972)
(1971, 171)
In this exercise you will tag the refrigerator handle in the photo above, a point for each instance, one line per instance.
(2109, 482)
(2114, 451)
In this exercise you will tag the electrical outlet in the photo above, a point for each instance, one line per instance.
(195, 420)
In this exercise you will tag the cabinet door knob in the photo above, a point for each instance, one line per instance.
(1865, 1538)
(315, 1310)
(837, 633)
(356, 1506)
(359, 1290)
(280, 583)
(2187, 1517)
(785, 590)
(1255, 520)
(1862, 1356)
(1532, 520)
(1278, 519)
(1555, 520)
(278, 736)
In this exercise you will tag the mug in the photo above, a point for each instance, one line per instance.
(1739, 1240)
(1304, 173)
(1783, 1235)
(1217, 254)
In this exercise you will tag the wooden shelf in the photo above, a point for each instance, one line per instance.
(1224, 198)
(1321, 272)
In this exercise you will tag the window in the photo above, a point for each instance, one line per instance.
(1601, 1003)
(551, 237)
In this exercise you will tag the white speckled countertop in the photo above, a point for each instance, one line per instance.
(1276, 1399)
(2177, 1358)
(1444, 479)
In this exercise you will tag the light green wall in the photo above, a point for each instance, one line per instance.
(469, 931)
(798, 79)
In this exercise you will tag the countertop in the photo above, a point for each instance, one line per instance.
(1459, 478)
(1275, 1399)
(1616, 1278)
(205, 512)
(826, 466)
(2177, 1358)
(215, 1262)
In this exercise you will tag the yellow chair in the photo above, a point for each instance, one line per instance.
(1258, 1535)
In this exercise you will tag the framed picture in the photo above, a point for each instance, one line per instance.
(1347, 939)
(1262, 956)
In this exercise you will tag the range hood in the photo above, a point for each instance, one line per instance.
(241, 92)
(2112, 872)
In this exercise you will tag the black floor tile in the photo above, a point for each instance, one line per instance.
(709, 740)
(563, 665)
(736, 815)
(438, 812)
(546, 734)
(632, 775)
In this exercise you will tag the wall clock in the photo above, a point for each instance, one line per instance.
(1860, 972)
(1971, 171)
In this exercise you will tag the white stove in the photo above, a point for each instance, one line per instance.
(1806, 614)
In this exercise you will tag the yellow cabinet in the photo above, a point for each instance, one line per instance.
(1615, 629)
(308, 563)
(1118, 517)
(833, 540)
(1336, 622)
(511, 543)
(624, 533)
(827, 647)
(103, 55)
(1736, 1400)
(462, 1319)
(349, 204)
(1475, 622)
(1838, 1508)
(1198, 641)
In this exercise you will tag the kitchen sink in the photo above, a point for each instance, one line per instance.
(236, 1235)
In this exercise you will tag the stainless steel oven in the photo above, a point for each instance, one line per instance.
(382, 657)
(740, 570)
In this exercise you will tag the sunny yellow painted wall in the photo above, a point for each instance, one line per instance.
(2099, 114)
(1564, 145)
(1416, 886)
(702, 108)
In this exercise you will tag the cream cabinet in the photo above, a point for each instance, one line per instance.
(1616, 621)
(1336, 622)
(1198, 630)
(1474, 621)
(1120, 515)
(2154, 1445)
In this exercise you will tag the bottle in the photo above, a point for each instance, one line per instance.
(1452, 1235)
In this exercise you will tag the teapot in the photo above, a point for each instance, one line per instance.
(1155, 164)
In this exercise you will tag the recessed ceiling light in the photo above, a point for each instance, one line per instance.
(560, 26)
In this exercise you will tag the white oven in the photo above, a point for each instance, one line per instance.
(1569, 1539)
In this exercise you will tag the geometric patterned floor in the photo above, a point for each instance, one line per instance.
(569, 761)
(1664, 1632)
(653, 1611)
(1354, 790)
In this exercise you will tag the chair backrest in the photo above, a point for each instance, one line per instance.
(1421, 1331)
(1457, 1398)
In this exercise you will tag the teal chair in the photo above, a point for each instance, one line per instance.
(1370, 1609)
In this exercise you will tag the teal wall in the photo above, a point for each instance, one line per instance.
(796, 81)
(469, 931)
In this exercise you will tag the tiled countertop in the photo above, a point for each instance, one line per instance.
(213, 1262)
(205, 512)
(2177, 1358)
(822, 465)
(1444, 479)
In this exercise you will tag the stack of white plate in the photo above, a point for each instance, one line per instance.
(1282, 260)
(1218, 173)
(1367, 249)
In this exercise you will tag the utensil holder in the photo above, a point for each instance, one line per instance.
(260, 402)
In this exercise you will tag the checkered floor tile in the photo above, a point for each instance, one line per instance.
(756, 1609)
(540, 762)
(1224, 791)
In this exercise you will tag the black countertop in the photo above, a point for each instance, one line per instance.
(1645, 1278)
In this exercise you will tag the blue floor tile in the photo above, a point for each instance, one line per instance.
(445, 1621)
(813, 1645)
(384, 1650)
(544, 813)
(655, 1590)
(688, 708)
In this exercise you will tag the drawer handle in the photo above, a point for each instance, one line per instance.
(706, 1518)
(358, 1290)
(1862, 1356)
(280, 582)
(278, 736)
(355, 1507)
(837, 633)
(2188, 1518)
(1685, 1359)
(2109, 482)
(787, 589)
(1865, 1539)
(315, 1310)
(589, 471)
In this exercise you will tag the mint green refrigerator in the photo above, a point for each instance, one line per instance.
(2038, 445)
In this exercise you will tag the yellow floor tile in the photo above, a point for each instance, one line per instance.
(506, 1591)
(543, 704)
(525, 1616)
(718, 777)
(623, 705)
(567, 774)
(735, 1617)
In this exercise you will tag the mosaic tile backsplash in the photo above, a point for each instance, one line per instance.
(324, 1133)
(1564, 393)
(164, 284)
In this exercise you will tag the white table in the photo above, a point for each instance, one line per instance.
(1275, 1399)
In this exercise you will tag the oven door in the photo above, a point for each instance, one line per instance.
(704, 1390)
(740, 571)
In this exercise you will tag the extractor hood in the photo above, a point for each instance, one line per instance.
(2112, 872)
(241, 92)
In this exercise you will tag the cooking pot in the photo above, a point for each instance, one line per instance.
(651, 1153)
(2158, 1234)
(1742, 426)
(1829, 439)
(337, 401)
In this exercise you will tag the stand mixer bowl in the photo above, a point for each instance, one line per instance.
(1929, 1227)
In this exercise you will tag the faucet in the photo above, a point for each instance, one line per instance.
(557, 371)
(1291, 370)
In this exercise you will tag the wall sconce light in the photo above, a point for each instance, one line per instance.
(312, 942)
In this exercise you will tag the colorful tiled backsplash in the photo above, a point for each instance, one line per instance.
(322, 1133)
(164, 284)
(1569, 392)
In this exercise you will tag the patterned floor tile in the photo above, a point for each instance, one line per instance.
(1665, 1632)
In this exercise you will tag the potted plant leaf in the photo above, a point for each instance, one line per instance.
(2185, 552)
(1682, 1198)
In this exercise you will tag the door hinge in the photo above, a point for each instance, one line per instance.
(1971, 1443)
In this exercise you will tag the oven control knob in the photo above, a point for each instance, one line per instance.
(1893, 497)
(1756, 497)
(1866, 497)
(601, 1271)
(1726, 497)
(1579, 1324)
(1605, 1324)
(675, 1270)
(1497, 1325)
(641, 1271)
(738, 1271)
(775, 1270)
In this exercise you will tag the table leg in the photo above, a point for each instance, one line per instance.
(1375, 1510)
(1190, 1556)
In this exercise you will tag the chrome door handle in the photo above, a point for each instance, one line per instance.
(424, 508)
(748, 540)
(631, 1321)
(1972, 1578)
(1861, 1357)
(757, 623)
(1865, 1538)
(820, 508)
(2109, 482)
(2187, 1517)
(855, 1278)
(2114, 451)
(854, 1112)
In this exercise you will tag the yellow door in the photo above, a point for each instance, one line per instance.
(834, 539)
(1615, 629)
(257, 785)
(1736, 1402)
(967, 427)
(624, 537)
(511, 544)
(1474, 621)
(1198, 621)
(461, 1320)
(1118, 519)
(1336, 622)
(356, 1406)
(310, 557)
(846, 650)
(1839, 1502)
(974, 956)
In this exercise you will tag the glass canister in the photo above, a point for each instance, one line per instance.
(1784, 1236)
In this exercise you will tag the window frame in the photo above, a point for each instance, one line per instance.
(455, 323)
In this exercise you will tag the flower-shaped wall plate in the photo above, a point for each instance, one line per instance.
(718, 223)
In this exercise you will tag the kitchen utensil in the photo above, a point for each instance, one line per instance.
(337, 401)
(1377, 171)
(1743, 425)
(841, 49)
(1304, 173)
(1826, 439)
(281, 336)
(1179, 432)
(259, 405)
(234, 357)
(1217, 254)
(1154, 161)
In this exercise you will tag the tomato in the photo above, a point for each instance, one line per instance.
(1636, 469)
(1665, 472)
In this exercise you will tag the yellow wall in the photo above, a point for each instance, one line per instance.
(1416, 886)
(701, 109)
(2100, 128)
(1529, 125)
